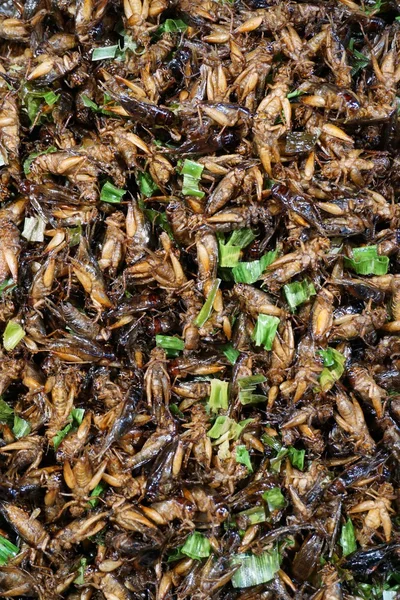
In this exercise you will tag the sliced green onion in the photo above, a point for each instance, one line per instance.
(51, 98)
(111, 194)
(80, 579)
(296, 457)
(272, 442)
(231, 353)
(191, 172)
(229, 252)
(274, 498)
(250, 272)
(228, 255)
(6, 412)
(276, 462)
(205, 312)
(248, 382)
(197, 546)
(75, 234)
(247, 387)
(218, 396)
(298, 292)
(367, 261)
(21, 427)
(172, 345)
(254, 515)
(7, 550)
(172, 26)
(60, 435)
(76, 418)
(96, 493)
(265, 331)
(295, 94)
(255, 570)
(77, 415)
(241, 238)
(31, 157)
(7, 286)
(175, 411)
(34, 229)
(12, 335)
(224, 425)
(104, 52)
(176, 554)
(237, 428)
(348, 538)
(221, 425)
(146, 184)
(243, 457)
(89, 103)
(334, 368)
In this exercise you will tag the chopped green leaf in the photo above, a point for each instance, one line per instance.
(360, 61)
(298, 292)
(241, 238)
(76, 418)
(21, 427)
(6, 412)
(7, 550)
(96, 493)
(254, 515)
(255, 570)
(375, 8)
(75, 234)
(7, 286)
(250, 272)
(197, 546)
(276, 462)
(348, 538)
(77, 415)
(247, 387)
(146, 184)
(191, 172)
(296, 457)
(228, 255)
(111, 194)
(272, 442)
(295, 94)
(231, 353)
(175, 411)
(80, 579)
(367, 261)
(265, 331)
(243, 457)
(274, 498)
(104, 52)
(172, 345)
(221, 426)
(176, 554)
(89, 103)
(218, 396)
(51, 98)
(28, 161)
(250, 381)
(60, 435)
(205, 312)
(172, 26)
(334, 368)
(12, 335)
(34, 229)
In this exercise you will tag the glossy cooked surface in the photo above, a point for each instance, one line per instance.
(199, 300)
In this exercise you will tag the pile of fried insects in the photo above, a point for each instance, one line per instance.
(199, 299)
